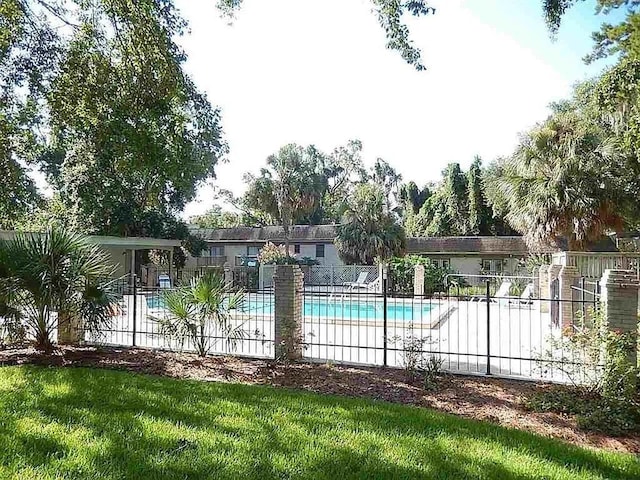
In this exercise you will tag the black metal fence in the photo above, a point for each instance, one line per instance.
(141, 316)
(477, 324)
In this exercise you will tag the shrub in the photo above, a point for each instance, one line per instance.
(401, 270)
(596, 360)
(51, 281)
(272, 254)
(418, 363)
(203, 313)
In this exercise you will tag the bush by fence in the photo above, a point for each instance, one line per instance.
(401, 275)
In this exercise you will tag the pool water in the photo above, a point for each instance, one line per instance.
(334, 308)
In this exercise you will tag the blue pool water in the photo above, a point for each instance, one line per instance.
(335, 308)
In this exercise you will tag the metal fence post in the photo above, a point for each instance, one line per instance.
(488, 300)
(583, 298)
(384, 317)
(135, 308)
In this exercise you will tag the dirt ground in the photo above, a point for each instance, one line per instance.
(495, 400)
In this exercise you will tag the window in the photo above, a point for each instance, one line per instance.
(252, 251)
(441, 262)
(216, 251)
(492, 265)
(296, 248)
(320, 250)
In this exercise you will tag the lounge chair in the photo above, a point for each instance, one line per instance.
(359, 283)
(373, 286)
(527, 295)
(501, 294)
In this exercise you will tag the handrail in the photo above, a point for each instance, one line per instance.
(462, 275)
(578, 289)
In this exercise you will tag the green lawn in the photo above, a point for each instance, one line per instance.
(85, 423)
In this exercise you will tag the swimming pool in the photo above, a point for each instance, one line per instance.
(337, 308)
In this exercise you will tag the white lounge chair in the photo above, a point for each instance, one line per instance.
(373, 286)
(501, 294)
(503, 291)
(527, 295)
(360, 282)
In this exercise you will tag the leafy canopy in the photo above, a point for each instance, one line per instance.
(127, 136)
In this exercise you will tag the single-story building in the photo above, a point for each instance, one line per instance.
(470, 255)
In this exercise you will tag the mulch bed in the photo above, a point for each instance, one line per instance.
(495, 400)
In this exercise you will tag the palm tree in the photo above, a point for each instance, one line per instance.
(202, 312)
(298, 186)
(556, 186)
(50, 281)
(368, 231)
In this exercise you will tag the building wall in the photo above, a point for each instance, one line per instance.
(231, 250)
(466, 265)
(471, 264)
(330, 258)
(120, 259)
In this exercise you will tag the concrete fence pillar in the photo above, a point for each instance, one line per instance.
(418, 280)
(543, 291)
(568, 278)
(288, 285)
(619, 297)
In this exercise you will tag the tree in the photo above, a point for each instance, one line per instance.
(290, 189)
(343, 169)
(19, 195)
(129, 137)
(446, 211)
(479, 212)
(390, 17)
(461, 204)
(368, 231)
(127, 119)
(548, 184)
(51, 281)
(413, 197)
(389, 179)
(622, 38)
(215, 217)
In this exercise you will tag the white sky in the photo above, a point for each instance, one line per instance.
(317, 72)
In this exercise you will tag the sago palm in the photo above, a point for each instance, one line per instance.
(50, 281)
(203, 313)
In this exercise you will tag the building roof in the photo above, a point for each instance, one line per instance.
(471, 245)
(272, 233)
(132, 243)
(502, 245)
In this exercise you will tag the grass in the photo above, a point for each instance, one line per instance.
(86, 423)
